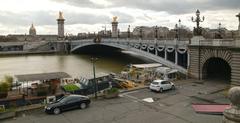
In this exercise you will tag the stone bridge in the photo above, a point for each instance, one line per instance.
(217, 59)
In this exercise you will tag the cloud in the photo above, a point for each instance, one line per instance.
(170, 6)
(176, 6)
(49, 18)
(24, 19)
(90, 15)
(85, 18)
(80, 3)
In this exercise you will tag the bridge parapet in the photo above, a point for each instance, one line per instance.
(150, 42)
(218, 42)
(134, 42)
(200, 41)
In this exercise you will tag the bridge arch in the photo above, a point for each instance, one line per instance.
(123, 47)
(137, 47)
(216, 64)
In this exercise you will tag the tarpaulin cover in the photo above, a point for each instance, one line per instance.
(210, 108)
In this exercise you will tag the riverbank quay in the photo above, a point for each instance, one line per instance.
(12, 53)
(170, 106)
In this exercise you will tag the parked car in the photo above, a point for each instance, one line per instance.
(67, 103)
(161, 85)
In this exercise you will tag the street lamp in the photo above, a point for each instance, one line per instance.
(128, 31)
(94, 76)
(156, 32)
(141, 32)
(197, 30)
(179, 26)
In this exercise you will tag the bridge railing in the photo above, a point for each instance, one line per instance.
(132, 41)
(160, 42)
(217, 42)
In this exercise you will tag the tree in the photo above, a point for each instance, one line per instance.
(4, 88)
(8, 79)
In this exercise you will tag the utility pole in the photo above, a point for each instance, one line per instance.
(94, 76)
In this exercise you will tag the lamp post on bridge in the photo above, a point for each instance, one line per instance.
(94, 60)
(198, 31)
(176, 31)
(128, 31)
(156, 32)
(219, 31)
(179, 28)
(141, 32)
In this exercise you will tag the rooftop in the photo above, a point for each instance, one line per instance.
(42, 76)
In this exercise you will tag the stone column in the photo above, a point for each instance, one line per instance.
(232, 115)
(114, 28)
(60, 22)
(238, 16)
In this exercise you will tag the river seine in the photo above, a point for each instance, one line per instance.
(75, 64)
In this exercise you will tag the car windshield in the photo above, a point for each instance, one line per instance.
(63, 99)
(155, 83)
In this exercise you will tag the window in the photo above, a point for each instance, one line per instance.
(164, 82)
(167, 82)
(155, 83)
(67, 99)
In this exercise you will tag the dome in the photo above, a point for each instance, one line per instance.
(32, 30)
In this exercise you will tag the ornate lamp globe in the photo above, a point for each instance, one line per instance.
(197, 12)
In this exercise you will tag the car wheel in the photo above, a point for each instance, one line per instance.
(83, 105)
(161, 90)
(56, 111)
(173, 87)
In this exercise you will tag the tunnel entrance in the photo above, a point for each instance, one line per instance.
(217, 69)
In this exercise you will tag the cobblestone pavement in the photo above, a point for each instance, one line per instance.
(173, 106)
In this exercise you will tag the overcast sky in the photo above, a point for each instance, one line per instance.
(16, 16)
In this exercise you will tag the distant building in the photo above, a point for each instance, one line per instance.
(105, 33)
(33, 34)
(220, 33)
(32, 31)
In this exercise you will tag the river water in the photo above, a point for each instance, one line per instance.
(75, 64)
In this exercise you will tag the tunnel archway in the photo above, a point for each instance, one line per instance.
(217, 69)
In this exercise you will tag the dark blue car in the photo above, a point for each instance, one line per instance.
(67, 103)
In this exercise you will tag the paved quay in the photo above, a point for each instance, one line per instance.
(173, 106)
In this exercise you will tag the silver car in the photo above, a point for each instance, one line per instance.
(161, 85)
